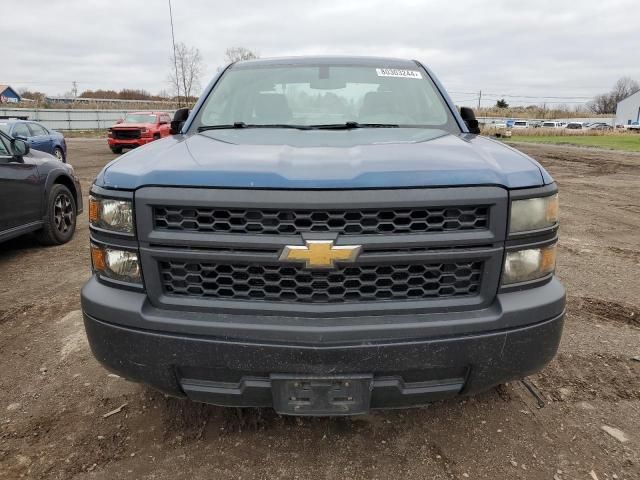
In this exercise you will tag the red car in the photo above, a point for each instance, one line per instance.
(138, 128)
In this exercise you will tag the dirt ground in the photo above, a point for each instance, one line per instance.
(53, 394)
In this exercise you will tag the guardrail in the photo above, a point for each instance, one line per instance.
(69, 119)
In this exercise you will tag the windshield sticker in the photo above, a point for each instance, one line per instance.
(396, 72)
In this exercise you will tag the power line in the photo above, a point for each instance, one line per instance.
(465, 99)
(505, 95)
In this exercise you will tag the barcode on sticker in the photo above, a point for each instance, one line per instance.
(397, 72)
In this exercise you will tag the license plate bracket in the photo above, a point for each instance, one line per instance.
(321, 395)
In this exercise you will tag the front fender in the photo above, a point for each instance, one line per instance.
(70, 180)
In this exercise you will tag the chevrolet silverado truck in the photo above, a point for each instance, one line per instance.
(137, 129)
(324, 236)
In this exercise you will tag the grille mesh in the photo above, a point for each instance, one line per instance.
(127, 134)
(346, 222)
(278, 283)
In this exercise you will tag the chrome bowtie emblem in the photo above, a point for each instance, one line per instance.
(320, 253)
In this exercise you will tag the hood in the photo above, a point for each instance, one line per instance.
(344, 159)
(39, 157)
(132, 125)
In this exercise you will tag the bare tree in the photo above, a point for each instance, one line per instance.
(186, 67)
(624, 87)
(607, 102)
(163, 94)
(235, 54)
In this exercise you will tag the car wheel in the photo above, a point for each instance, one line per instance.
(60, 218)
(117, 150)
(156, 136)
(59, 154)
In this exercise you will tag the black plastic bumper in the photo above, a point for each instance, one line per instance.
(401, 372)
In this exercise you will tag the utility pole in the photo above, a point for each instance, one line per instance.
(175, 59)
(74, 89)
(479, 99)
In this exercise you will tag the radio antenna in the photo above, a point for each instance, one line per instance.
(175, 58)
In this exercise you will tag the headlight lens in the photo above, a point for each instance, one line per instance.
(533, 213)
(122, 265)
(529, 264)
(111, 214)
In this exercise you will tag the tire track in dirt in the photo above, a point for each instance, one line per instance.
(590, 377)
(605, 309)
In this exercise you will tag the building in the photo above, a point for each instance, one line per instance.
(628, 110)
(8, 95)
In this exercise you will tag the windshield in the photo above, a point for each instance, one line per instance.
(326, 95)
(4, 127)
(140, 118)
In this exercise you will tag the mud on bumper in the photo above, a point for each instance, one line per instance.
(263, 374)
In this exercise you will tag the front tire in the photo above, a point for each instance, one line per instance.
(117, 150)
(59, 154)
(60, 218)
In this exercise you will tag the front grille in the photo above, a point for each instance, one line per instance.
(295, 284)
(128, 134)
(345, 222)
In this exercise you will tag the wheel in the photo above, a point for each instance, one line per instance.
(60, 218)
(156, 136)
(59, 154)
(117, 150)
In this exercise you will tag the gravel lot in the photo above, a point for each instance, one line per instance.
(53, 394)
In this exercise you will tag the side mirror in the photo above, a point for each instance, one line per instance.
(179, 118)
(19, 147)
(20, 137)
(470, 119)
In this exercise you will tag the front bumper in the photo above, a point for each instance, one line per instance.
(219, 359)
(135, 142)
(79, 200)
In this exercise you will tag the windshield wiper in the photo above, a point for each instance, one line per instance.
(351, 125)
(328, 126)
(238, 125)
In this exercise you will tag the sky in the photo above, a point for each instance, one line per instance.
(527, 52)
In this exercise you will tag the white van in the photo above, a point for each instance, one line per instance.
(521, 124)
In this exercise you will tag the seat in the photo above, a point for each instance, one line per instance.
(271, 108)
(378, 103)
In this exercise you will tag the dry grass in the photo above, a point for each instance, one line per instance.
(98, 133)
(116, 105)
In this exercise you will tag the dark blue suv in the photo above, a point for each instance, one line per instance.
(38, 194)
(37, 136)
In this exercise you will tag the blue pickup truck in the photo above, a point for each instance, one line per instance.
(324, 236)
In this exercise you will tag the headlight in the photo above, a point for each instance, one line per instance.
(111, 214)
(529, 264)
(117, 264)
(533, 213)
